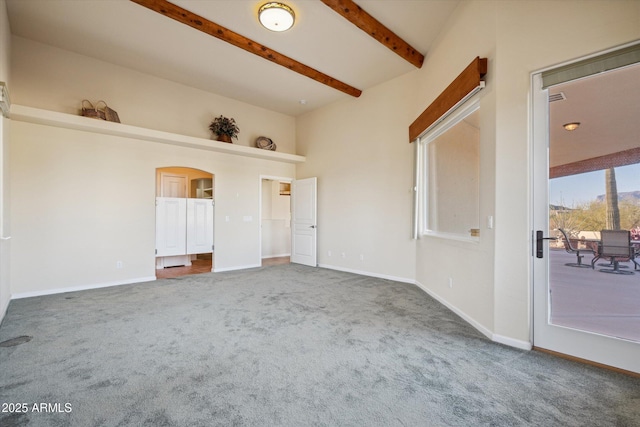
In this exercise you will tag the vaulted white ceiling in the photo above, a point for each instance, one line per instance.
(127, 34)
(130, 35)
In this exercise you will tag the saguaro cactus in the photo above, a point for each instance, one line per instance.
(613, 213)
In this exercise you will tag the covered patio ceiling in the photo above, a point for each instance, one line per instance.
(607, 106)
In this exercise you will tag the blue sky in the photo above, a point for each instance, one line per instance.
(575, 189)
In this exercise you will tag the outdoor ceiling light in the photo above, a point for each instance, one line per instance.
(276, 16)
(571, 126)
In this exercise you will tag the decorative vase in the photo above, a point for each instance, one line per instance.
(224, 138)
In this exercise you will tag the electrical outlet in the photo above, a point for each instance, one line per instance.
(119, 264)
(344, 254)
(451, 282)
(361, 257)
(328, 253)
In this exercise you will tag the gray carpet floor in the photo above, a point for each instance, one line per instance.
(285, 345)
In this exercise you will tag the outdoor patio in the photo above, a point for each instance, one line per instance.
(586, 299)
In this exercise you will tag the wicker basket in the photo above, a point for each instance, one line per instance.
(265, 143)
(102, 112)
(91, 111)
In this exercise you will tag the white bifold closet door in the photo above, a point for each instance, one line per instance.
(183, 226)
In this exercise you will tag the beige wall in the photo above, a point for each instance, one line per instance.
(469, 266)
(5, 229)
(359, 151)
(276, 220)
(58, 80)
(274, 205)
(5, 43)
(357, 148)
(526, 44)
(98, 204)
(83, 201)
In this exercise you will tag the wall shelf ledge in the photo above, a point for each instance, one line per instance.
(69, 121)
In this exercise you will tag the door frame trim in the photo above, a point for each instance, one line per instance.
(587, 362)
(534, 117)
(273, 178)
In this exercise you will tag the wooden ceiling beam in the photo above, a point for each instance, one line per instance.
(622, 158)
(370, 25)
(200, 23)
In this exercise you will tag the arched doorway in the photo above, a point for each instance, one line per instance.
(185, 200)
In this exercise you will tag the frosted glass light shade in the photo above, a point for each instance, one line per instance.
(276, 16)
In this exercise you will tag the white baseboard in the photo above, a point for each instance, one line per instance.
(482, 329)
(511, 342)
(3, 310)
(522, 345)
(240, 267)
(276, 256)
(82, 288)
(368, 273)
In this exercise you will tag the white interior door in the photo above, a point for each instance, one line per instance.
(172, 185)
(304, 221)
(171, 226)
(199, 226)
(554, 277)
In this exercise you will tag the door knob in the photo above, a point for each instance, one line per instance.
(312, 226)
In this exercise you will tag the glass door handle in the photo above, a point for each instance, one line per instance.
(539, 239)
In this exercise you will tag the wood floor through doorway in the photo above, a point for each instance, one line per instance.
(204, 266)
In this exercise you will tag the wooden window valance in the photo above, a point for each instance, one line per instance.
(462, 86)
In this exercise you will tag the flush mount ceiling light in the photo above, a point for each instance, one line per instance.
(276, 16)
(571, 126)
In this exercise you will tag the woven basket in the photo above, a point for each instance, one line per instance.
(265, 143)
(91, 111)
(99, 112)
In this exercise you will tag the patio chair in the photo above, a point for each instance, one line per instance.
(616, 246)
(569, 248)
